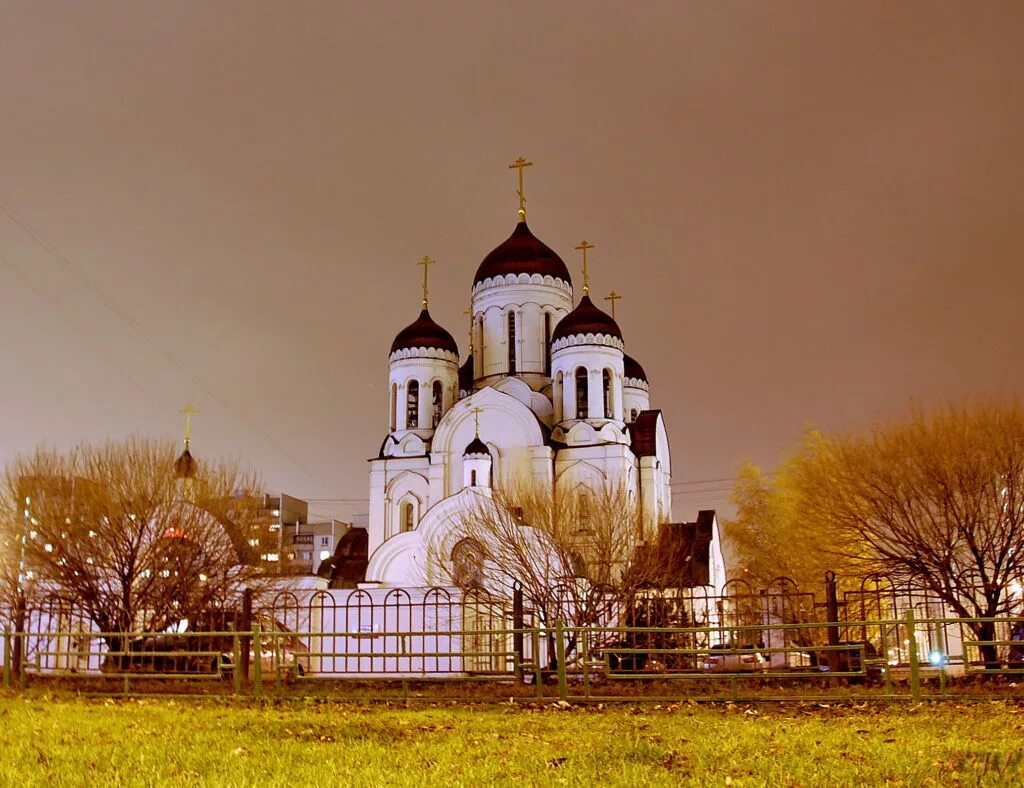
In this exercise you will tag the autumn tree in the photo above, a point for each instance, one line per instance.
(771, 537)
(575, 557)
(935, 501)
(129, 539)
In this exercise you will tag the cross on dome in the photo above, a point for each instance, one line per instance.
(582, 246)
(519, 164)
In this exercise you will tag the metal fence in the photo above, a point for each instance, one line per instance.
(742, 643)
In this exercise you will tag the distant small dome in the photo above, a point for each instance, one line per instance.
(185, 466)
(631, 369)
(586, 319)
(477, 446)
(522, 253)
(424, 333)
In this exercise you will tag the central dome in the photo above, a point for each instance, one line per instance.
(522, 253)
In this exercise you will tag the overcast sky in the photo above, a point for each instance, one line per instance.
(813, 211)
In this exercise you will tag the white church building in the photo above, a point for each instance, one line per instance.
(546, 393)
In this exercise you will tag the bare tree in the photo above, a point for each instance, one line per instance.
(124, 537)
(576, 558)
(936, 501)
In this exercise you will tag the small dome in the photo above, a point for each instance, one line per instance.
(424, 333)
(522, 253)
(185, 466)
(586, 319)
(477, 446)
(631, 368)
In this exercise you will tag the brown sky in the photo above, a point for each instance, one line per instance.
(813, 211)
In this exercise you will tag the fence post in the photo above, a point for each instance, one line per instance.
(245, 625)
(832, 614)
(563, 682)
(517, 626)
(236, 656)
(257, 661)
(538, 671)
(8, 676)
(915, 667)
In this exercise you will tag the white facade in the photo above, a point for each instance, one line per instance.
(552, 404)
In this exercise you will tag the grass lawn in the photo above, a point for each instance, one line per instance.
(63, 740)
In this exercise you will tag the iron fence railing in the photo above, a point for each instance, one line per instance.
(563, 662)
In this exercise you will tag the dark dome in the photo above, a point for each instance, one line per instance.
(477, 446)
(424, 333)
(586, 319)
(632, 369)
(522, 253)
(185, 466)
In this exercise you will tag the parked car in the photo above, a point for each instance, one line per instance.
(198, 653)
(726, 658)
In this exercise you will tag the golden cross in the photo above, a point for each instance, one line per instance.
(519, 164)
(426, 262)
(469, 313)
(476, 420)
(612, 297)
(189, 411)
(582, 247)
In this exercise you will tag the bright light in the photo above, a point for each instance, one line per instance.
(1015, 589)
(202, 578)
(325, 554)
(48, 548)
(937, 658)
(275, 513)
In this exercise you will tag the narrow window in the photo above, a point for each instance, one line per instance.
(479, 349)
(558, 396)
(547, 344)
(511, 343)
(606, 384)
(438, 397)
(582, 393)
(472, 478)
(412, 406)
(633, 414)
(584, 513)
(394, 405)
(406, 517)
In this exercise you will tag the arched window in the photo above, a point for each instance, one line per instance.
(406, 516)
(557, 395)
(584, 513)
(412, 405)
(511, 343)
(606, 386)
(547, 343)
(582, 393)
(472, 478)
(436, 402)
(394, 406)
(633, 414)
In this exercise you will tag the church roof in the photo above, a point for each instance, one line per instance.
(425, 333)
(643, 433)
(522, 253)
(632, 369)
(466, 374)
(684, 552)
(476, 446)
(586, 319)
